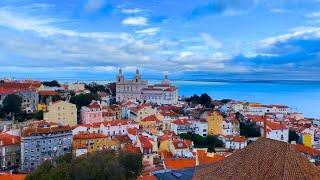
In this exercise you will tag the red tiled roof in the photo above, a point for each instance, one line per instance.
(181, 122)
(87, 135)
(145, 142)
(46, 130)
(18, 85)
(130, 148)
(263, 159)
(8, 176)
(133, 131)
(116, 122)
(7, 91)
(169, 113)
(239, 139)
(94, 105)
(307, 150)
(255, 118)
(204, 159)
(147, 177)
(8, 139)
(47, 93)
(276, 126)
(179, 144)
(140, 107)
(180, 163)
(150, 118)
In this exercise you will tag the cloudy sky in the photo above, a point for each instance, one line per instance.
(216, 39)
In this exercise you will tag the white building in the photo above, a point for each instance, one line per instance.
(257, 109)
(163, 93)
(278, 109)
(230, 127)
(276, 131)
(138, 90)
(235, 142)
(200, 127)
(76, 87)
(129, 89)
(181, 126)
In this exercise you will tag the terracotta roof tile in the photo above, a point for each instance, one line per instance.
(263, 159)
(180, 163)
(86, 135)
(8, 139)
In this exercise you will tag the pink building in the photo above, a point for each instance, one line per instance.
(91, 113)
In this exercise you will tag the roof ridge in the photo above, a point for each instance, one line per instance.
(285, 161)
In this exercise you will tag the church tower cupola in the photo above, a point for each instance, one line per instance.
(120, 77)
(137, 77)
(166, 80)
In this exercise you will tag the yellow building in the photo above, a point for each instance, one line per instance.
(91, 142)
(307, 137)
(41, 107)
(215, 120)
(61, 112)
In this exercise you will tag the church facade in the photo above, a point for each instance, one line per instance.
(139, 90)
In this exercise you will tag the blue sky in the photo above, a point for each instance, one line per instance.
(217, 39)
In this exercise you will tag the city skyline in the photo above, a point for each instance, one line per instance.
(251, 39)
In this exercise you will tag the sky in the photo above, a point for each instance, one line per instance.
(216, 39)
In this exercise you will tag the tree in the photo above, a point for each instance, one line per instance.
(84, 99)
(203, 99)
(96, 165)
(12, 104)
(225, 101)
(132, 164)
(39, 115)
(249, 130)
(42, 172)
(210, 142)
(293, 136)
(94, 87)
(53, 83)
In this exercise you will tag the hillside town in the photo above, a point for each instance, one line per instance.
(177, 136)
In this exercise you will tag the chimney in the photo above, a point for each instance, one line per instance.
(12, 140)
(264, 127)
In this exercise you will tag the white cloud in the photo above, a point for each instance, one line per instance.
(210, 42)
(185, 54)
(313, 15)
(279, 10)
(94, 5)
(299, 32)
(149, 31)
(131, 11)
(135, 21)
(46, 26)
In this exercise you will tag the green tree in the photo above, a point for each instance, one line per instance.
(132, 164)
(293, 136)
(94, 87)
(11, 105)
(97, 165)
(84, 99)
(53, 83)
(38, 115)
(23, 116)
(249, 130)
(42, 172)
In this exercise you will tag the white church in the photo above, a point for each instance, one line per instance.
(139, 90)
